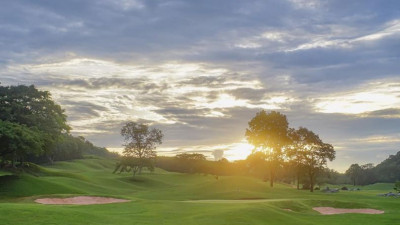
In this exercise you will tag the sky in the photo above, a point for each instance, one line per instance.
(200, 70)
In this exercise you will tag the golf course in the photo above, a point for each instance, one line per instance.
(162, 197)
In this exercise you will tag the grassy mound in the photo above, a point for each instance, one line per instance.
(170, 198)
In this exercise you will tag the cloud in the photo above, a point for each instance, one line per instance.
(374, 96)
(200, 70)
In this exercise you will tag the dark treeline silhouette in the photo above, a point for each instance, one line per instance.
(33, 128)
(196, 163)
(388, 171)
(70, 147)
(254, 165)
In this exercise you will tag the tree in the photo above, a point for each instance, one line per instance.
(257, 165)
(314, 153)
(192, 162)
(397, 186)
(268, 132)
(354, 172)
(26, 105)
(17, 141)
(140, 143)
(295, 155)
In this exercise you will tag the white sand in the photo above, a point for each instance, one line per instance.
(80, 200)
(331, 211)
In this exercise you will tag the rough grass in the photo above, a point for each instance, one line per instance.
(171, 198)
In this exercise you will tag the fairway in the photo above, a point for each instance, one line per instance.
(174, 198)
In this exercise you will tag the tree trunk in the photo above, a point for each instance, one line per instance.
(14, 159)
(140, 170)
(51, 160)
(311, 182)
(272, 177)
(298, 180)
(22, 162)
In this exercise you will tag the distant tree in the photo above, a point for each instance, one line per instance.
(134, 164)
(295, 154)
(17, 141)
(369, 174)
(140, 145)
(218, 154)
(191, 156)
(354, 172)
(389, 169)
(314, 153)
(26, 105)
(268, 132)
(397, 186)
(257, 164)
(192, 162)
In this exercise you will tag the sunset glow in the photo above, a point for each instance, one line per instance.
(200, 82)
(238, 151)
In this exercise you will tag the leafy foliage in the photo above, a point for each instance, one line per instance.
(313, 153)
(140, 143)
(18, 141)
(268, 132)
(397, 186)
(34, 108)
(354, 172)
(33, 128)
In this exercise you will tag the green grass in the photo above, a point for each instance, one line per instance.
(4, 173)
(173, 198)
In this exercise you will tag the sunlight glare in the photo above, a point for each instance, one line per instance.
(238, 151)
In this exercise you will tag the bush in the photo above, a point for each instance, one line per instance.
(344, 188)
(397, 186)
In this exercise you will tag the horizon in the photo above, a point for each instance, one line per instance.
(199, 71)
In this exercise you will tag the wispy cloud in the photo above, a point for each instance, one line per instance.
(374, 96)
(200, 70)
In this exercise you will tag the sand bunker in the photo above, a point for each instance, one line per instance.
(331, 211)
(80, 200)
(289, 210)
(235, 201)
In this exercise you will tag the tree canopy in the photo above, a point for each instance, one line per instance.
(140, 144)
(17, 141)
(268, 132)
(26, 105)
(33, 114)
(312, 152)
(354, 172)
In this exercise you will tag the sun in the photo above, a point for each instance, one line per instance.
(238, 151)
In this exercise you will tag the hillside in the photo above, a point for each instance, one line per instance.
(170, 198)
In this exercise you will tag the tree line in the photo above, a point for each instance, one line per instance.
(33, 128)
(296, 156)
(277, 148)
(388, 171)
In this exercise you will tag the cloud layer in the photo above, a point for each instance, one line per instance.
(200, 70)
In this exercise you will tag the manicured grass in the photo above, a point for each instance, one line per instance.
(172, 198)
(4, 173)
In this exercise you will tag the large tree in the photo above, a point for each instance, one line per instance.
(17, 141)
(268, 132)
(313, 153)
(26, 105)
(354, 172)
(140, 145)
(294, 154)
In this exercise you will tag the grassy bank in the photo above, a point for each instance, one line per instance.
(173, 198)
